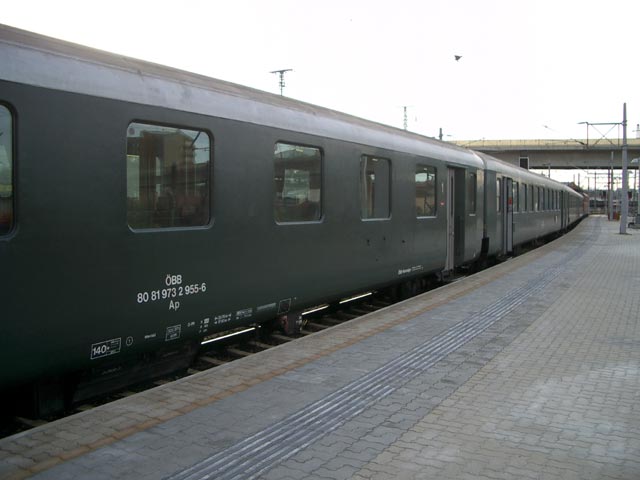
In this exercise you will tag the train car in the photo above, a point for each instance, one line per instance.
(144, 209)
(522, 206)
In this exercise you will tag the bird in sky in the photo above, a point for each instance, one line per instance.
(457, 57)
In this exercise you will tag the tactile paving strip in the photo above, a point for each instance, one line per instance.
(260, 452)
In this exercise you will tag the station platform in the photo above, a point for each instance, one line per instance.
(530, 369)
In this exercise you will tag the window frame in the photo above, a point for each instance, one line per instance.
(531, 198)
(472, 200)
(177, 126)
(363, 190)
(11, 156)
(426, 167)
(320, 203)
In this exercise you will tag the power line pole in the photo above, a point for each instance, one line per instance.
(281, 74)
(625, 176)
(610, 190)
(405, 116)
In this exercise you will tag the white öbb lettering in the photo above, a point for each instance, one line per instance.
(174, 288)
(172, 280)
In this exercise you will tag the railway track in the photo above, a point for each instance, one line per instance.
(225, 348)
(245, 342)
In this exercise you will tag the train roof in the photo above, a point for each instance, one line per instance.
(37, 60)
(521, 174)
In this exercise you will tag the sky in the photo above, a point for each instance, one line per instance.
(528, 69)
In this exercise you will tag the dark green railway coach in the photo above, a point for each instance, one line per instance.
(143, 209)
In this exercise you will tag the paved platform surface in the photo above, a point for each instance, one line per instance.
(530, 369)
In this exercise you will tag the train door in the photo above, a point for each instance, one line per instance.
(450, 261)
(507, 212)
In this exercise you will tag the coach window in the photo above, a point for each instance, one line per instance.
(531, 201)
(524, 198)
(425, 191)
(548, 200)
(6, 170)
(167, 177)
(499, 194)
(536, 198)
(298, 183)
(472, 187)
(516, 196)
(375, 187)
